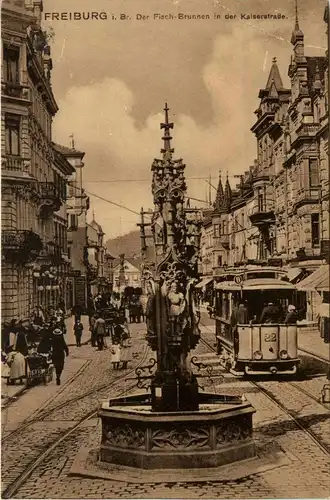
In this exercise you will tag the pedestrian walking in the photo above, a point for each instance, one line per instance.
(59, 350)
(21, 344)
(115, 355)
(77, 312)
(125, 347)
(5, 332)
(78, 331)
(92, 329)
(38, 317)
(100, 331)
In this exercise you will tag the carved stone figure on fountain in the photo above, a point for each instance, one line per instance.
(193, 315)
(158, 228)
(177, 308)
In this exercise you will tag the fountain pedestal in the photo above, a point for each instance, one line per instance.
(219, 433)
(166, 388)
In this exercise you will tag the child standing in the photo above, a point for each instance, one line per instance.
(78, 331)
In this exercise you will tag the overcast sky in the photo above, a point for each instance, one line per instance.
(111, 79)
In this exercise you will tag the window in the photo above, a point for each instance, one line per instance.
(12, 128)
(260, 202)
(11, 65)
(315, 223)
(73, 221)
(313, 173)
(219, 260)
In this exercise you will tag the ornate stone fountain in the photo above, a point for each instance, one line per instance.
(174, 426)
(175, 431)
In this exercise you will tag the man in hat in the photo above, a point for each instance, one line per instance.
(59, 349)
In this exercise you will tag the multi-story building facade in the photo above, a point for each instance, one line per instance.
(280, 209)
(96, 278)
(29, 194)
(132, 274)
(51, 268)
(77, 206)
(206, 256)
(108, 269)
(63, 170)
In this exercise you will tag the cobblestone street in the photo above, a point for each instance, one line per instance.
(304, 474)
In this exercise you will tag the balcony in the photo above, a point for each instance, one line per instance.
(221, 241)
(262, 215)
(305, 131)
(15, 90)
(20, 245)
(304, 254)
(12, 163)
(306, 196)
(308, 129)
(50, 200)
(52, 252)
(92, 272)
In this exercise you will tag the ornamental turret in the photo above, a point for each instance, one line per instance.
(219, 199)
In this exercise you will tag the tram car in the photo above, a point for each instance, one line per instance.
(252, 347)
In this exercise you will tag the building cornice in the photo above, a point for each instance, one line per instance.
(39, 79)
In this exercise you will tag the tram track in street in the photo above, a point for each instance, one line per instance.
(43, 414)
(299, 422)
(15, 484)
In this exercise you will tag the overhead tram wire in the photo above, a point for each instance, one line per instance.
(119, 205)
(300, 174)
(117, 180)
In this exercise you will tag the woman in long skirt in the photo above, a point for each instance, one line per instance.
(125, 347)
(17, 364)
(115, 355)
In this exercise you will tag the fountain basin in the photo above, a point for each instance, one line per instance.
(219, 433)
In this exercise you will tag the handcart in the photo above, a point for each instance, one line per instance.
(39, 368)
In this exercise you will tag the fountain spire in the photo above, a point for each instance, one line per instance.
(167, 150)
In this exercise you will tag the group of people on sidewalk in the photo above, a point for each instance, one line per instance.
(41, 336)
(108, 321)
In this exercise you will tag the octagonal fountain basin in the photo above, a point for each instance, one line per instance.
(219, 433)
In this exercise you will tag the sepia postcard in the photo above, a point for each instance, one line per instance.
(165, 249)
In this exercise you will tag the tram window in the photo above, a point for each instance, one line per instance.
(227, 307)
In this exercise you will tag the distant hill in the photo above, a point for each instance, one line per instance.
(129, 244)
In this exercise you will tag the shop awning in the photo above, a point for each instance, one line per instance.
(204, 282)
(318, 280)
(256, 284)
